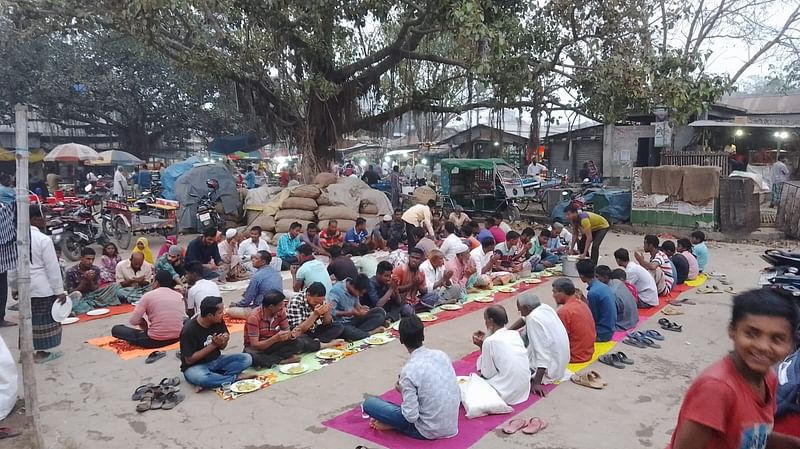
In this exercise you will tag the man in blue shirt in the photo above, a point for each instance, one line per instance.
(383, 293)
(359, 321)
(250, 178)
(357, 239)
(288, 244)
(601, 299)
(311, 270)
(264, 280)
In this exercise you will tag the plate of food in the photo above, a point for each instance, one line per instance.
(462, 379)
(329, 354)
(378, 339)
(485, 299)
(97, 312)
(69, 320)
(246, 386)
(507, 289)
(451, 307)
(293, 369)
(532, 281)
(545, 274)
(427, 317)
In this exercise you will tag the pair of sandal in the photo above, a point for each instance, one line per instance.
(680, 302)
(530, 426)
(164, 396)
(617, 360)
(668, 325)
(644, 339)
(669, 310)
(589, 379)
(715, 289)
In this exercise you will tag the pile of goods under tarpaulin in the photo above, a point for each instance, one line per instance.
(328, 198)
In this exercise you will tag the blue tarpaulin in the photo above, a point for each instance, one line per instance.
(172, 173)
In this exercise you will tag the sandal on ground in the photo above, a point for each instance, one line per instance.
(668, 325)
(154, 356)
(140, 391)
(590, 380)
(669, 310)
(654, 334)
(680, 302)
(708, 289)
(146, 402)
(172, 399)
(634, 341)
(624, 358)
(534, 426)
(650, 343)
(8, 432)
(170, 382)
(514, 426)
(612, 360)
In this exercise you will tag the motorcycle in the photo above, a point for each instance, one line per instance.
(784, 272)
(80, 229)
(207, 214)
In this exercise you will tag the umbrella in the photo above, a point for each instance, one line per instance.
(117, 157)
(71, 152)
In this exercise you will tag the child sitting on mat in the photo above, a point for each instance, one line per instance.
(732, 403)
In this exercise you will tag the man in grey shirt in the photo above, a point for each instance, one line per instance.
(627, 310)
(431, 396)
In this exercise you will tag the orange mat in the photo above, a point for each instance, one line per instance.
(112, 310)
(127, 351)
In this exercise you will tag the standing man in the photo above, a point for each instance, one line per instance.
(429, 388)
(397, 187)
(144, 179)
(370, 176)
(592, 229)
(8, 247)
(120, 189)
(535, 169)
(420, 173)
(47, 287)
(779, 173)
(417, 216)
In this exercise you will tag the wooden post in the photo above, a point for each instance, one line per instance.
(24, 276)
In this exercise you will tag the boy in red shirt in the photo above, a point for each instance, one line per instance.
(731, 405)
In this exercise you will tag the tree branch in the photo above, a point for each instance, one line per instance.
(793, 17)
(433, 58)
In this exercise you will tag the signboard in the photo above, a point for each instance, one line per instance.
(663, 134)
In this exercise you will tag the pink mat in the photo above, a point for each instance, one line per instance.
(469, 430)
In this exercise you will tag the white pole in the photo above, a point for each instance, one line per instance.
(24, 275)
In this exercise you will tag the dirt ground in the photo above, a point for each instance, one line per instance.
(85, 395)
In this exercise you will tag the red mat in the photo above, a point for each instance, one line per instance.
(112, 310)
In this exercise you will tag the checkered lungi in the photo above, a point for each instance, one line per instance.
(46, 331)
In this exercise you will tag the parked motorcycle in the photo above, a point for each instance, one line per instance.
(80, 229)
(784, 272)
(207, 214)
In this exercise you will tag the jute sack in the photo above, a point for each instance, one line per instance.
(282, 226)
(267, 222)
(299, 203)
(368, 208)
(337, 212)
(325, 179)
(323, 200)
(344, 225)
(305, 191)
(296, 214)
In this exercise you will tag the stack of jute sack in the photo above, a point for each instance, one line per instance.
(329, 198)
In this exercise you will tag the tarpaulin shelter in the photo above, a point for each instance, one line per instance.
(194, 182)
(172, 173)
(232, 144)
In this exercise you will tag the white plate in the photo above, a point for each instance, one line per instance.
(532, 281)
(292, 369)
(97, 312)
(70, 320)
(59, 311)
(506, 289)
(484, 299)
(378, 340)
(427, 317)
(329, 354)
(238, 387)
(451, 307)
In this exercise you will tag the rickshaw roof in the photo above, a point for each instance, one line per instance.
(472, 164)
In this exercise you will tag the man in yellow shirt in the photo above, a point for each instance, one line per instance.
(417, 216)
(591, 227)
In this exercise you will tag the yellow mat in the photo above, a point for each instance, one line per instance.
(698, 281)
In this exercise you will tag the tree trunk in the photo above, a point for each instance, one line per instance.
(534, 140)
(317, 141)
(137, 141)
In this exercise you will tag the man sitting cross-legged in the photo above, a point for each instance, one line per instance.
(265, 279)
(309, 314)
(547, 341)
(159, 316)
(430, 391)
(202, 340)
(359, 321)
(503, 361)
(383, 292)
(267, 337)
